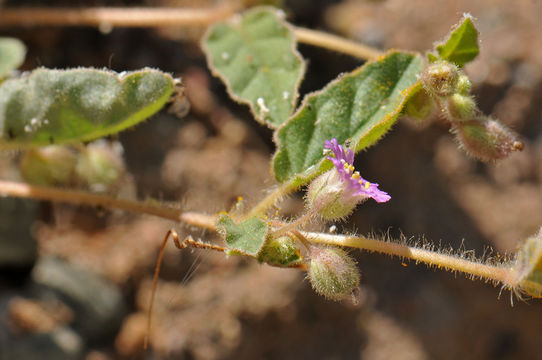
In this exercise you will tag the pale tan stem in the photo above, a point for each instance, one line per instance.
(336, 43)
(271, 199)
(296, 224)
(491, 272)
(158, 17)
(497, 273)
(9, 188)
(116, 17)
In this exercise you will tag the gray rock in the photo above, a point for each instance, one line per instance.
(97, 304)
(63, 343)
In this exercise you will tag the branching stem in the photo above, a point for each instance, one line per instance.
(271, 199)
(499, 273)
(108, 17)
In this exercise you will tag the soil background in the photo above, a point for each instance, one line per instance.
(212, 307)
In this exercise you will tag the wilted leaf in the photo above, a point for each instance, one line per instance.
(461, 46)
(254, 54)
(68, 106)
(12, 53)
(359, 106)
(247, 237)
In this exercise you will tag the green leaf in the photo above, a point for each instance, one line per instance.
(432, 57)
(255, 56)
(68, 106)
(360, 106)
(461, 46)
(12, 53)
(247, 237)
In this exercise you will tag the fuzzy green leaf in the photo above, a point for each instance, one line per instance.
(68, 106)
(12, 53)
(461, 46)
(359, 106)
(247, 237)
(255, 57)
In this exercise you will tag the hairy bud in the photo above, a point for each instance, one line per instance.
(420, 106)
(332, 273)
(463, 84)
(49, 166)
(99, 167)
(328, 195)
(440, 78)
(461, 107)
(486, 139)
(280, 252)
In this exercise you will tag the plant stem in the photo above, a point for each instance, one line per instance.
(158, 17)
(21, 190)
(296, 224)
(271, 199)
(499, 273)
(116, 17)
(336, 43)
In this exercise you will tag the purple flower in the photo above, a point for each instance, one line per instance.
(356, 186)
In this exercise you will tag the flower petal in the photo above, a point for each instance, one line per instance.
(356, 185)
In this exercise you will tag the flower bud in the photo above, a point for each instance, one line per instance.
(440, 78)
(420, 106)
(328, 196)
(460, 107)
(334, 194)
(332, 273)
(99, 167)
(463, 84)
(280, 252)
(50, 166)
(486, 139)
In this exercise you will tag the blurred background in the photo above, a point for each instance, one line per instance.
(75, 281)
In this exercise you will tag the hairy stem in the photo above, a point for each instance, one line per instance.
(159, 17)
(271, 199)
(21, 190)
(490, 272)
(497, 273)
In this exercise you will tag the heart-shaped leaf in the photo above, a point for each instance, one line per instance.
(247, 237)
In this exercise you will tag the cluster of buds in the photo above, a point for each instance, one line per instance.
(481, 136)
(98, 167)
